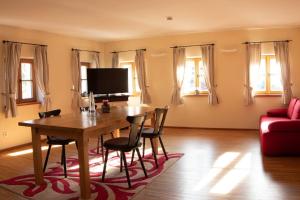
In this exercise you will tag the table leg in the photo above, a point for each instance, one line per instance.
(84, 167)
(37, 156)
(116, 133)
(155, 140)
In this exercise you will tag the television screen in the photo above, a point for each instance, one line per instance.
(107, 80)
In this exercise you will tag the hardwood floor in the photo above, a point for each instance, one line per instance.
(218, 164)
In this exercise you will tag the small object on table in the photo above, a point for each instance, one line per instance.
(105, 106)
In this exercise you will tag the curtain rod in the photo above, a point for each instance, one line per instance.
(255, 42)
(4, 41)
(127, 50)
(193, 45)
(86, 50)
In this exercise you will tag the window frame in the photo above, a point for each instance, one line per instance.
(197, 76)
(134, 80)
(88, 65)
(268, 91)
(19, 99)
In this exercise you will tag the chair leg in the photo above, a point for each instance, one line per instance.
(64, 160)
(112, 135)
(62, 156)
(153, 152)
(47, 157)
(126, 169)
(144, 144)
(163, 147)
(133, 151)
(76, 143)
(121, 162)
(102, 148)
(141, 161)
(98, 141)
(104, 167)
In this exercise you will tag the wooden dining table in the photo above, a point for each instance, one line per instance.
(81, 126)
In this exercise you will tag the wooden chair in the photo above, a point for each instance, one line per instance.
(155, 132)
(127, 144)
(55, 140)
(100, 141)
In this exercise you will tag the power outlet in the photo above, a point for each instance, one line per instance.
(3, 133)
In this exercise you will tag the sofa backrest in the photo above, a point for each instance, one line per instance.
(291, 107)
(296, 111)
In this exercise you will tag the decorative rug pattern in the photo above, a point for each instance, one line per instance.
(115, 185)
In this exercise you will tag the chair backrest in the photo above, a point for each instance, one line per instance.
(47, 114)
(136, 126)
(51, 113)
(160, 117)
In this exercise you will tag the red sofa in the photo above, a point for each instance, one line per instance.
(280, 130)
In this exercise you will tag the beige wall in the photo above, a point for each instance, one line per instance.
(59, 56)
(229, 72)
(230, 65)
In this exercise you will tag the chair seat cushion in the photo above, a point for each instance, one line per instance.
(119, 144)
(56, 140)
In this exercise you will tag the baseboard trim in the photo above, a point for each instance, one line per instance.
(178, 127)
(18, 146)
(209, 128)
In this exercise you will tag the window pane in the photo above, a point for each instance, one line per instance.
(26, 71)
(27, 90)
(258, 76)
(83, 72)
(275, 76)
(189, 84)
(84, 86)
(202, 83)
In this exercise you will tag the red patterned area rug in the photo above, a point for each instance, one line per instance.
(114, 187)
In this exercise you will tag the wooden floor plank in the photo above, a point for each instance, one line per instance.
(218, 164)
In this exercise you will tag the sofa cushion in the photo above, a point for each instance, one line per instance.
(291, 107)
(296, 111)
(277, 112)
(285, 126)
(265, 121)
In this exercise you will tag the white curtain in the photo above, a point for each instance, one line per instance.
(282, 58)
(96, 58)
(141, 75)
(178, 74)
(76, 80)
(208, 64)
(41, 70)
(11, 62)
(115, 60)
(253, 63)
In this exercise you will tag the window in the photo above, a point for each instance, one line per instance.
(194, 81)
(26, 83)
(83, 76)
(133, 86)
(268, 79)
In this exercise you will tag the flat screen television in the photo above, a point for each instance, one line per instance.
(107, 80)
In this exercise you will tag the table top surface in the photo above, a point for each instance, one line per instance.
(83, 121)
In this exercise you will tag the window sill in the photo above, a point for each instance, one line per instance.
(135, 95)
(28, 103)
(196, 95)
(268, 95)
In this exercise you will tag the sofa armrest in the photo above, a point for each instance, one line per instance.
(278, 112)
(291, 125)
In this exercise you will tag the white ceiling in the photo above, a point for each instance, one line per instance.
(109, 20)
